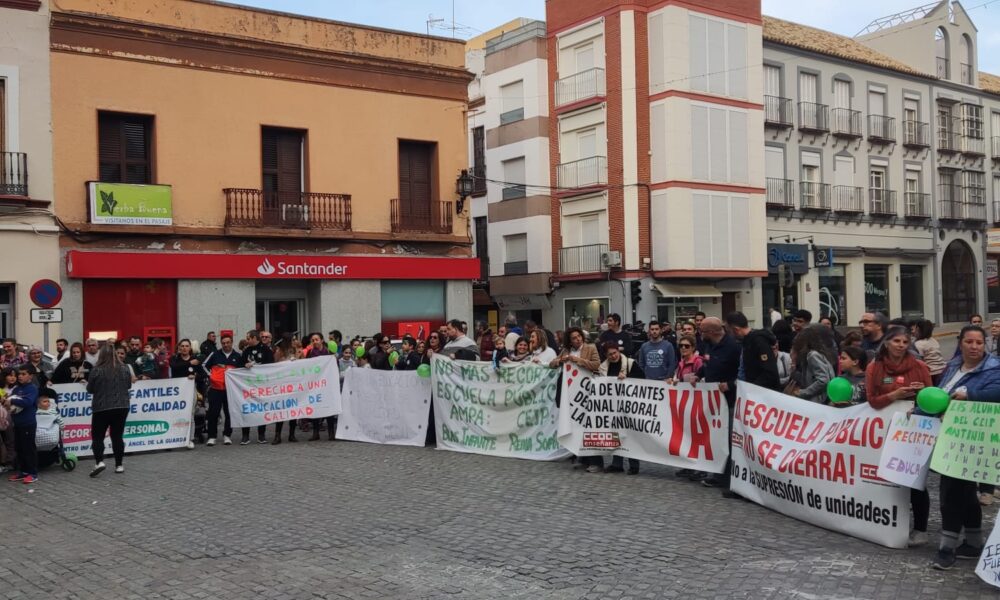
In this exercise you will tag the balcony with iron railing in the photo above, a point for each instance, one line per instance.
(916, 134)
(881, 128)
(917, 205)
(848, 199)
(881, 202)
(583, 173)
(943, 68)
(585, 85)
(814, 196)
(777, 112)
(975, 146)
(13, 173)
(435, 216)
(950, 202)
(582, 259)
(814, 117)
(298, 210)
(845, 122)
(780, 193)
(948, 137)
(975, 211)
(478, 179)
(966, 74)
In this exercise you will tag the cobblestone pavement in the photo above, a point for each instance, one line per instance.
(351, 520)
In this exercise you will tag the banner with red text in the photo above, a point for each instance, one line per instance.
(818, 464)
(301, 389)
(681, 426)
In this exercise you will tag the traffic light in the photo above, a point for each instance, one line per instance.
(784, 276)
(636, 289)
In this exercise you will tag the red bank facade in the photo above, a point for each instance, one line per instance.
(174, 294)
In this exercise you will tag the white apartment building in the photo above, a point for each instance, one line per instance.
(509, 154)
(877, 167)
(27, 228)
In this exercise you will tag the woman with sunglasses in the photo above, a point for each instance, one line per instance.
(434, 344)
(690, 361)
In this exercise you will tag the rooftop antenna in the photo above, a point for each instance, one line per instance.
(454, 28)
(899, 18)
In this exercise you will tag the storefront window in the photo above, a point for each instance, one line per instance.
(911, 291)
(877, 288)
(674, 310)
(586, 313)
(993, 283)
(833, 293)
(784, 299)
(408, 306)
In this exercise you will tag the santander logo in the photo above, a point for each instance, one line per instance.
(266, 268)
(301, 267)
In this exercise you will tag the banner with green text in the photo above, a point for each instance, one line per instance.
(508, 411)
(681, 426)
(159, 417)
(969, 442)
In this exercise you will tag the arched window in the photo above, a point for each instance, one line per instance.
(958, 271)
(941, 51)
(967, 57)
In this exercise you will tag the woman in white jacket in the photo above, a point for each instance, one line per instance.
(539, 346)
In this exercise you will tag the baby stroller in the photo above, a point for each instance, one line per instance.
(48, 442)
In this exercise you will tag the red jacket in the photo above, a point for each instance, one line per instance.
(883, 378)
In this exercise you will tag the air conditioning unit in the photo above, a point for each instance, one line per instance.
(611, 259)
(295, 214)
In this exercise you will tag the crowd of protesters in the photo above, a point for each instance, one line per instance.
(885, 361)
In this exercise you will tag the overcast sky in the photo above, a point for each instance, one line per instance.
(846, 17)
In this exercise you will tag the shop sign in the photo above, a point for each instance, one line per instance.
(823, 257)
(796, 256)
(992, 273)
(993, 238)
(130, 204)
(179, 265)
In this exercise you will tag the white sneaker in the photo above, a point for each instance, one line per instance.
(120, 469)
(226, 441)
(190, 445)
(917, 538)
(210, 442)
(98, 469)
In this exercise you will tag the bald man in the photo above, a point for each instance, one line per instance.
(722, 366)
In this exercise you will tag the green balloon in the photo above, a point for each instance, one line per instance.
(359, 352)
(394, 358)
(839, 390)
(332, 346)
(424, 370)
(933, 400)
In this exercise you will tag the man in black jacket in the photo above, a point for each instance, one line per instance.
(215, 365)
(256, 353)
(759, 365)
(722, 366)
(409, 360)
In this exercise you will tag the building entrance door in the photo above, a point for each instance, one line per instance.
(283, 318)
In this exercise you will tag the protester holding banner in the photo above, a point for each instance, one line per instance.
(896, 374)
(434, 345)
(257, 352)
(216, 366)
(759, 364)
(410, 359)
(109, 385)
(541, 353)
(813, 360)
(317, 347)
(722, 365)
(656, 356)
(576, 350)
(618, 365)
(974, 376)
(521, 352)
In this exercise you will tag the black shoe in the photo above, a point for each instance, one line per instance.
(944, 560)
(291, 437)
(684, 473)
(713, 482)
(614, 469)
(697, 476)
(276, 441)
(730, 494)
(315, 435)
(633, 470)
(967, 551)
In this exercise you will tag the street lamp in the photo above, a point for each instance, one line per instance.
(463, 188)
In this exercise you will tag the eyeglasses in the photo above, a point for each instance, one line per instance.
(684, 345)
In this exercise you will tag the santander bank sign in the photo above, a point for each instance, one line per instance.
(292, 269)
(81, 264)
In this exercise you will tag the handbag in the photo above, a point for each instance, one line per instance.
(792, 387)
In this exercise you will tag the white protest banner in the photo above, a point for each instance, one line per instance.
(818, 464)
(682, 426)
(988, 567)
(159, 418)
(906, 455)
(385, 407)
(302, 389)
(509, 411)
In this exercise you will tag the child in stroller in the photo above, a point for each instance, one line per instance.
(48, 435)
